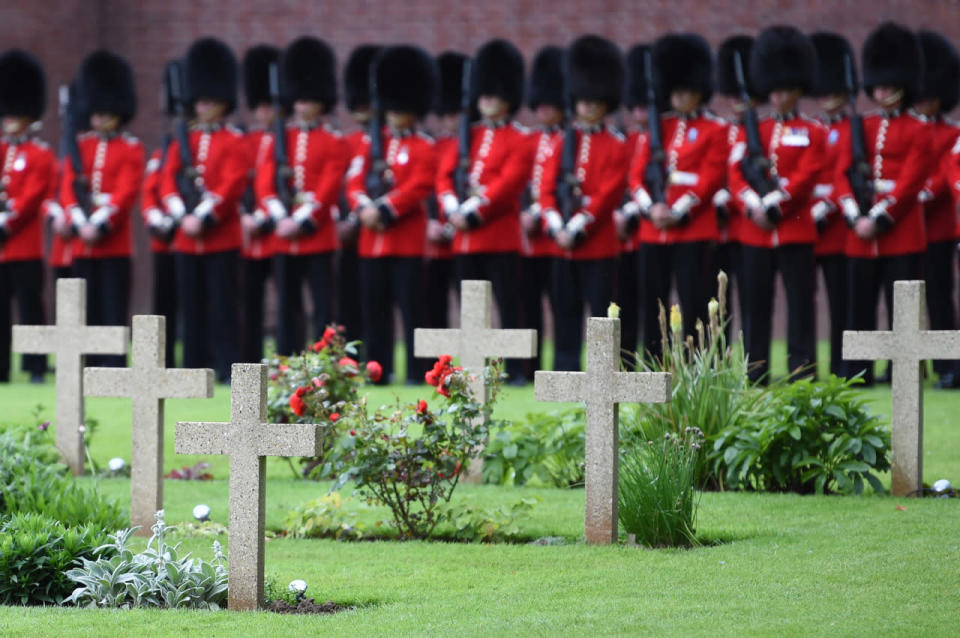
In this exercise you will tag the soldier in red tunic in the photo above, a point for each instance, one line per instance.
(394, 221)
(888, 239)
(59, 229)
(28, 165)
(306, 231)
(677, 235)
(586, 274)
(208, 240)
(258, 238)
(113, 165)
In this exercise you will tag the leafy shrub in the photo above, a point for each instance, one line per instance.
(411, 459)
(156, 577)
(820, 438)
(497, 524)
(658, 497)
(546, 448)
(325, 517)
(35, 553)
(274, 590)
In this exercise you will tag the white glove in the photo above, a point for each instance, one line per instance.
(850, 209)
(304, 212)
(721, 198)
(471, 205)
(54, 210)
(773, 198)
(363, 201)
(101, 215)
(175, 207)
(682, 206)
(643, 199)
(205, 207)
(751, 199)
(880, 209)
(155, 217)
(554, 222)
(275, 208)
(77, 218)
(578, 223)
(450, 204)
(630, 209)
(820, 210)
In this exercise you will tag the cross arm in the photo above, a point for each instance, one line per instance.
(868, 344)
(178, 383)
(519, 343)
(34, 339)
(429, 342)
(290, 439)
(193, 437)
(642, 387)
(106, 382)
(106, 339)
(559, 386)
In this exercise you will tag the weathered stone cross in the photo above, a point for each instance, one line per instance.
(70, 339)
(907, 345)
(148, 382)
(602, 387)
(247, 440)
(474, 342)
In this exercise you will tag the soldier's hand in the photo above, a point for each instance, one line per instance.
(865, 228)
(62, 227)
(89, 233)
(564, 239)
(192, 225)
(436, 232)
(759, 217)
(530, 222)
(370, 217)
(287, 228)
(249, 224)
(347, 229)
(620, 221)
(459, 221)
(660, 215)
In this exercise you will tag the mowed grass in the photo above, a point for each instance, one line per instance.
(783, 564)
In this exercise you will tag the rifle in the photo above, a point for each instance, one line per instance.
(376, 182)
(569, 188)
(859, 172)
(282, 174)
(755, 165)
(189, 182)
(655, 174)
(70, 150)
(461, 176)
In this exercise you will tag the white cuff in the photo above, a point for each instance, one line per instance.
(77, 218)
(554, 221)
(101, 199)
(879, 209)
(643, 199)
(773, 198)
(751, 199)
(471, 205)
(683, 204)
(303, 212)
(535, 210)
(275, 208)
(102, 215)
(850, 209)
(54, 210)
(578, 223)
(820, 210)
(630, 209)
(205, 207)
(155, 217)
(450, 204)
(721, 198)
(363, 200)
(175, 206)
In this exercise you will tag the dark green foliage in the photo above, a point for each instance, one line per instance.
(544, 448)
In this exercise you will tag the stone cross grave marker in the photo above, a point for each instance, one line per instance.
(70, 338)
(147, 383)
(247, 440)
(602, 387)
(907, 345)
(474, 342)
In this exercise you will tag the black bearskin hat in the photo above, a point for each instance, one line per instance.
(783, 58)
(256, 73)
(726, 65)
(406, 79)
(892, 57)
(546, 82)
(683, 61)
(308, 71)
(356, 76)
(23, 85)
(941, 70)
(832, 51)
(450, 70)
(635, 84)
(595, 70)
(211, 73)
(105, 85)
(498, 70)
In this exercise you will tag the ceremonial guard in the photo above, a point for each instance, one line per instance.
(256, 257)
(546, 97)
(888, 239)
(25, 182)
(113, 165)
(73, 121)
(580, 219)
(677, 233)
(778, 232)
(939, 93)
(201, 189)
(388, 183)
(485, 210)
(304, 205)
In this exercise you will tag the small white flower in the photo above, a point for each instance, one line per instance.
(116, 464)
(82, 429)
(298, 586)
(201, 512)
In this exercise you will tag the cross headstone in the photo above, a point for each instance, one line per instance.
(247, 439)
(70, 339)
(602, 387)
(907, 345)
(147, 383)
(474, 342)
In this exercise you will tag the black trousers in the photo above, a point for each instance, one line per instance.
(349, 311)
(577, 282)
(108, 298)
(628, 298)
(865, 279)
(291, 273)
(207, 290)
(536, 283)
(834, 269)
(938, 270)
(165, 299)
(22, 280)
(501, 270)
(691, 266)
(386, 282)
(62, 272)
(440, 280)
(796, 265)
(254, 274)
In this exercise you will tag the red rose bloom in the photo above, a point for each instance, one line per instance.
(334, 417)
(300, 391)
(297, 405)
(353, 433)
(374, 371)
(351, 365)
(422, 407)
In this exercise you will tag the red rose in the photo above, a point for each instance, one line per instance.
(334, 417)
(300, 391)
(297, 405)
(374, 371)
(422, 407)
(442, 389)
(329, 334)
(444, 359)
(283, 367)
(353, 433)
(318, 382)
(351, 365)
(430, 377)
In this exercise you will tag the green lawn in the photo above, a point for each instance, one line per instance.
(787, 565)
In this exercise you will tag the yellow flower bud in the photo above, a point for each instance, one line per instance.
(613, 311)
(712, 308)
(676, 319)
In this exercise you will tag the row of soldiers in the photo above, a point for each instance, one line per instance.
(573, 211)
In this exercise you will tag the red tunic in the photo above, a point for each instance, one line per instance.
(220, 155)
(540, 244)
(318, 159)
(899, 151)
(500, 161)
(832, 240)
(440, 250)
(27, 170)
(939, 209)
(61, 253)
(114, 169)
(150, 197)
(412, 165)
(696, 151)
(602, 159)
(795, 147)
(263, 245)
